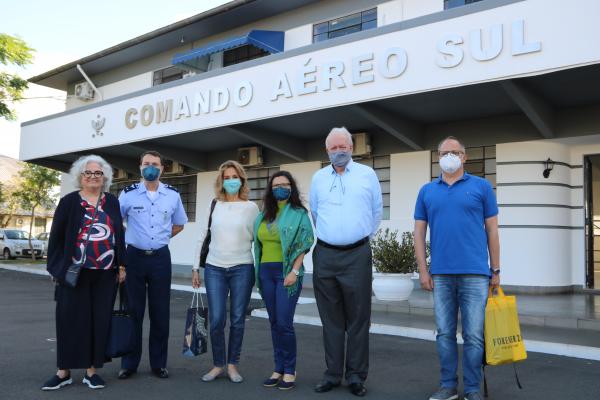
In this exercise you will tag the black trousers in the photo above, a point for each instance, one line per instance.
(83, 316)
(149, 274)
(342, 284)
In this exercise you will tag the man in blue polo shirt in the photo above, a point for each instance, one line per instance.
(462, 215)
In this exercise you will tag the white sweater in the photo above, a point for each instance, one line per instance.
(231, 234)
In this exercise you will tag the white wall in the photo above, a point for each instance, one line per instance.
(185, 245)
(545, 255)
(408, 172)
(401, 10)
(126, 86)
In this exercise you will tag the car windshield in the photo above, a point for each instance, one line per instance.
(17, 235)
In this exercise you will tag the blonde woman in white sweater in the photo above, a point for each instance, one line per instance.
(229, 268)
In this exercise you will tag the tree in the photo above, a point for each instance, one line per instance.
(13, 51)
(37, 186)
(8, 203)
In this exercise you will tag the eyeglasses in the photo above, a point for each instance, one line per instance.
(457, 153)
(282, 185)
(95, 174)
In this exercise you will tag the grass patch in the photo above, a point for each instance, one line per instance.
(24, 261)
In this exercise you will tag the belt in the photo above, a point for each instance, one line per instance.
(146, 253)
(344, 246)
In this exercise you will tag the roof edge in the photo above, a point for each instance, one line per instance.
(142, 38)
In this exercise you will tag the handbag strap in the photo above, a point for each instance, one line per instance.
(87, 239)
(195, 296)
(213, 203)
(122, 297)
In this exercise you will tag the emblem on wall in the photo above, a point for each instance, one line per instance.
(98, 124)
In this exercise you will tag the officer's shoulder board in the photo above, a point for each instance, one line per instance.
(171, 187)
(131, 187)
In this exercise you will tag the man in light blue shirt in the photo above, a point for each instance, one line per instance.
(154, 214)
(346, 205)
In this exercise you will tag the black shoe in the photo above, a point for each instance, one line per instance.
(358, 389)
(325, 386)
(160, 372)
(283, 385)
(55, 382)
(126, 373)
(94, 381)
(271, 382)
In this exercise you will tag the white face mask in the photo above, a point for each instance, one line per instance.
(450, 163)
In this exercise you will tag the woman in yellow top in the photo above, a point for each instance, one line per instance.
(282, 236)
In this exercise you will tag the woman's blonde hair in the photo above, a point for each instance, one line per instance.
(244, 189)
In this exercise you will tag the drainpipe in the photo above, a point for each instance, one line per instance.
(89, 81)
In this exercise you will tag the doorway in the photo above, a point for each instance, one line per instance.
(591, 176)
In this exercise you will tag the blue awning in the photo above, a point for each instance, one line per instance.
(197, 59)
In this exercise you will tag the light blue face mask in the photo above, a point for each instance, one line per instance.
(232, 186)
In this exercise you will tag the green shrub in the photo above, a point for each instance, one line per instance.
(391, 255)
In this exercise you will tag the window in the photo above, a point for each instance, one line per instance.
(241, 54)
(185, 184)
(257, 182)
(381, 165)
(345, 25)
(165, 75)
(457, 3)
(481, 161)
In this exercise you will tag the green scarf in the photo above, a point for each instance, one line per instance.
(296, 235)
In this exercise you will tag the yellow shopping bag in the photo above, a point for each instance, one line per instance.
(503, 340)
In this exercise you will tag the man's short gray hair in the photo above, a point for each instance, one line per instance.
(339, 131)
(462, 146)
(79, 166)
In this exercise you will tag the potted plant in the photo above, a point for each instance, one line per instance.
(395, 264)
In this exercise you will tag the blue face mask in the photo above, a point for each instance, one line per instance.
(281, 193)
(232, 186)
(340, 158)
(150, 173)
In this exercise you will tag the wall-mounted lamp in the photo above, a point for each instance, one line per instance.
(182, 40)
(548, 166)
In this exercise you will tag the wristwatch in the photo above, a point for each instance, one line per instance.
(296, 272)
(495, 271)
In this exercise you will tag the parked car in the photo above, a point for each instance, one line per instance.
(15, 243)
(43, 237)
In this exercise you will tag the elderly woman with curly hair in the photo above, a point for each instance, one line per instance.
(90, 215)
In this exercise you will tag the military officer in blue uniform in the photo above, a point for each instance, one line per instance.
(153, 213)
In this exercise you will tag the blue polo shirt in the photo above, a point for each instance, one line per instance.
(456, 217)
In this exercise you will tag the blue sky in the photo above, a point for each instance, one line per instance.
(61, 31)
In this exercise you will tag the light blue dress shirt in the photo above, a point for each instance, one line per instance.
(149, 222)
(346, 208)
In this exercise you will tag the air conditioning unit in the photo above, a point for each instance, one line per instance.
(362, 144)
(84, 91)
(173, 168)
(119, 174)
(250, 156)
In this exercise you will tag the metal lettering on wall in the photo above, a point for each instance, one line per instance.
(481, 45)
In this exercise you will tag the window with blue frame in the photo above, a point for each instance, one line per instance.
(342, 26)
(457, 3)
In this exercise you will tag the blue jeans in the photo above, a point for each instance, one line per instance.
(469, 294)
(237, 282)
(281, 308)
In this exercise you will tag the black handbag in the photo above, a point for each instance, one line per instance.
(121, 340)
(206, 242)
(73, 271)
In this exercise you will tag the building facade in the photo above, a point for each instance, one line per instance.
(264, 82)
